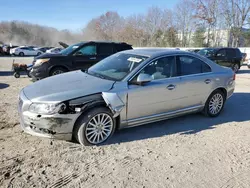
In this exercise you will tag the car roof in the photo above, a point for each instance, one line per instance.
(154, 52)
(107, 42)
(218, 48)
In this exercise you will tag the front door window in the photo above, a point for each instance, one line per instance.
(86, 50)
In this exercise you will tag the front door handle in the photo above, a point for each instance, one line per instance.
(207, 81)
(92, 58)
(171, 87)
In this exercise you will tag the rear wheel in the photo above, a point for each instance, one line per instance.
(95, 127)
(57, 70)
(21, 54)
(214, 104)
(17, 75)
(39, 53)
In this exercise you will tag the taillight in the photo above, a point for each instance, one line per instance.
(234, 76)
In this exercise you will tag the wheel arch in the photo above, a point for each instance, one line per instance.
(57, 66)
(90, 107)
(222, 89)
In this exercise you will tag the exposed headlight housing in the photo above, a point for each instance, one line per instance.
(41, 61)
(47, 108)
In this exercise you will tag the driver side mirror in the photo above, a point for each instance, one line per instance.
(78, 53)
(142, 79)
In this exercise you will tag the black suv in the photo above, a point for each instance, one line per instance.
(228, 57)
(78, 56)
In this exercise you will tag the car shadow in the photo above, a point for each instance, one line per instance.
(243, 71)
(6, 73)
(236, 110)
(11, 73)
(3, 86)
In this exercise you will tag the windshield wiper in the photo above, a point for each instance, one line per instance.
(94, 74)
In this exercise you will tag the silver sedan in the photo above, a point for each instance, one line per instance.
(127, 89)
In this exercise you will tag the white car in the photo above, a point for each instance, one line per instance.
(54, 50)
(25, 51)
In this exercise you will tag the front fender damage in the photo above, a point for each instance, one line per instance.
(114, 102)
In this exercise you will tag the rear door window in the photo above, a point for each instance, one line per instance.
(105, 49)
(231, 53)
(188, 65)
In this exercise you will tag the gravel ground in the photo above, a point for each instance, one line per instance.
(191, 151)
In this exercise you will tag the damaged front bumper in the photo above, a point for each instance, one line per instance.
(56, 126)
(60, 126)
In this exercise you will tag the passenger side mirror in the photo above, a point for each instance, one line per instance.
(142, 79)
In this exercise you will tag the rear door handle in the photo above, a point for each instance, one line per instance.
(207, 81)
(92, 58)
(171, 87)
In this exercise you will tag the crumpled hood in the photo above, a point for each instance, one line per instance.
(66, 86)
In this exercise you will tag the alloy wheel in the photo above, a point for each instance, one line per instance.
(57, 72)
(216, 104)
(99, 128)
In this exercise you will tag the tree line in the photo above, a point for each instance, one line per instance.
(191, 23)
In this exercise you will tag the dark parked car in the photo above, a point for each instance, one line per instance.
(1, 50)
(193, 50)
(228, 57)
(78, 56)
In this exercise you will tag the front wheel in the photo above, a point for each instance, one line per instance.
(214, 104)
(21, 54)
(57, 70)
(39, 53)
(95, 127)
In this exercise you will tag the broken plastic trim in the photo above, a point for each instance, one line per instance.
(113, 102)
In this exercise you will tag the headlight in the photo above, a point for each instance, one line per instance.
(47, 108)
(41, 61)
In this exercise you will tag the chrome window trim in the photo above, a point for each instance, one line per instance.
(190, 55)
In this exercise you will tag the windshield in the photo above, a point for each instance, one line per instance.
(206, 52)
(70, 49)
(117, 66)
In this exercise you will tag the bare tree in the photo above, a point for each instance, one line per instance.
(184, 20)
(207, 12)
(236, 14)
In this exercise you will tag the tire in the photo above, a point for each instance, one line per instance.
(28, 73)
(86, 121)
(57, 70)
(21, 54)
(208, 110)
(17, 75)
(39, 53)
(236, 67)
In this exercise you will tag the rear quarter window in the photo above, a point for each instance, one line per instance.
(238, 53)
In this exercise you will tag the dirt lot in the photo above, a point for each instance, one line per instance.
(186, 152)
